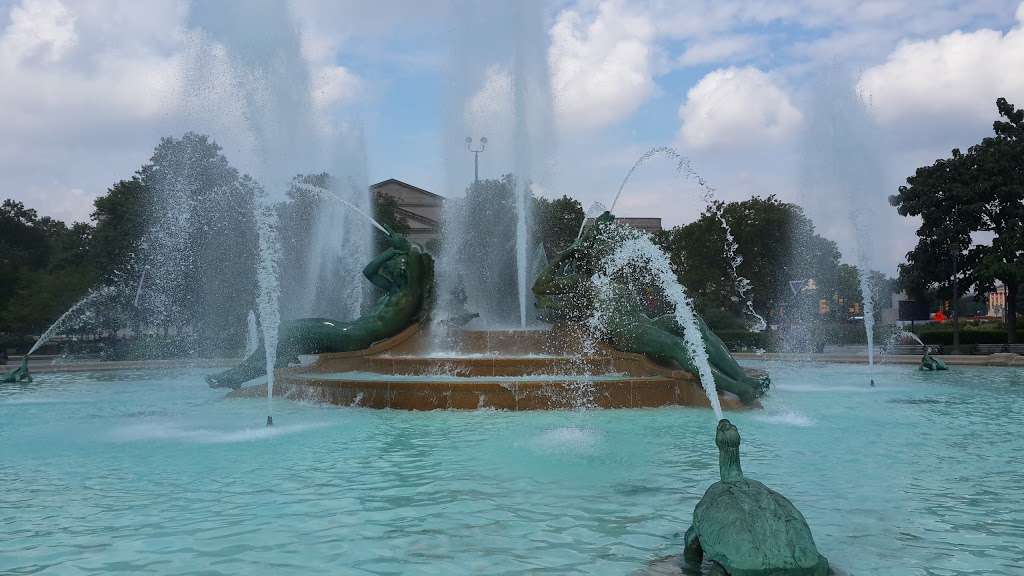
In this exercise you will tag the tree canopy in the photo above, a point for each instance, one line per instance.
(981, 190)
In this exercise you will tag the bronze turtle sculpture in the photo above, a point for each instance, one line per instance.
(743, 528)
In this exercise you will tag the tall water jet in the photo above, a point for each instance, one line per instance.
(840, 155)
(247, 83)
(498, 89)
(268, 290)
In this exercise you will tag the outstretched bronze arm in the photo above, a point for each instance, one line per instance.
(373, 270)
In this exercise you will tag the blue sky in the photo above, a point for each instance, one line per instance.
(753, 92)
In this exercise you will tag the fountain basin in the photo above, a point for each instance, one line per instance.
(501, 369)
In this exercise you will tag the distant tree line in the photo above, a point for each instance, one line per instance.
(183, 223)
(776, 242)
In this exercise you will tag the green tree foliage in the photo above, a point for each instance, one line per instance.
(777, 243)
(120, 220)
(45, 265)
(485, 241)
(980, 191)
(557, 222)
(387, 212)
(200, 243)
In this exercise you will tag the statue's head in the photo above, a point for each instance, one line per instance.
(727, 436)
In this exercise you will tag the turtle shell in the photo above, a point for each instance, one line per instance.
(752, 530)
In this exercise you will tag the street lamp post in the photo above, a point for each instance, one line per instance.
(476, 156)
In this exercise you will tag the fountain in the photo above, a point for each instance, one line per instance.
(383, 359)
(112, 470)
(841, 156)
(685, 168)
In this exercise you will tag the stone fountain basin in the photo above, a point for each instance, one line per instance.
(504, 370)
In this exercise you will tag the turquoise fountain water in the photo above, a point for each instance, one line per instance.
(151, 472)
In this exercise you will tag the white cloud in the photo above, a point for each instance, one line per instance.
(601, 67)
(491, 106)
(736, 107)
(958, 75)
(38, 29)
(335, 85)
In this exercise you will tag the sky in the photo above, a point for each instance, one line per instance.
(827, 103)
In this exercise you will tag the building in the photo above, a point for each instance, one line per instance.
(421, 209)
(996, 301)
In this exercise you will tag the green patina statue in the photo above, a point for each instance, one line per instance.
(931, 363)
(19, 374)
(406, 275)
(743, 528)
(563, 293)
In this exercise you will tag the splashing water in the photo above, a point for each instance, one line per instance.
(325, 193)
(595, 210)
(636, 248)
(138, 291)
(685, 167)
(252, 334)
(897, 336)
(59, 323)
(268, 289)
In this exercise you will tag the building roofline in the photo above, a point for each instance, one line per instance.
(383, 183)
(410, 215)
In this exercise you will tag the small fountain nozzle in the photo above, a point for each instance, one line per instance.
(270, 421)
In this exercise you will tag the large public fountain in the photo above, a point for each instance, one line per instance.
(510, 371)
(603, 349)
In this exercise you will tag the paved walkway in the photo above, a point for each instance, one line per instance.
(50, 364)
(1001, 359)
(45, 364)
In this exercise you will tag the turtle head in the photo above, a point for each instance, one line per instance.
(727, 438)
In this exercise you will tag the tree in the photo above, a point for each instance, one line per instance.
(45, 264)
(980, 191)
(777, 244)
(999, 177)
(120, 220)
(943, 196)
(557, 222)
(200, 241)
(387, 212)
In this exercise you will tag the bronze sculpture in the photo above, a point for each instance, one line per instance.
(19, 374)
(404, 272)
(563, 294)
(743, 528)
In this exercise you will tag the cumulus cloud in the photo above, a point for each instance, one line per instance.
(736, 107)
(956, 75)
(601, 64)
(491, 106)
(334, 85)
(39, 28)
(84, 103)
